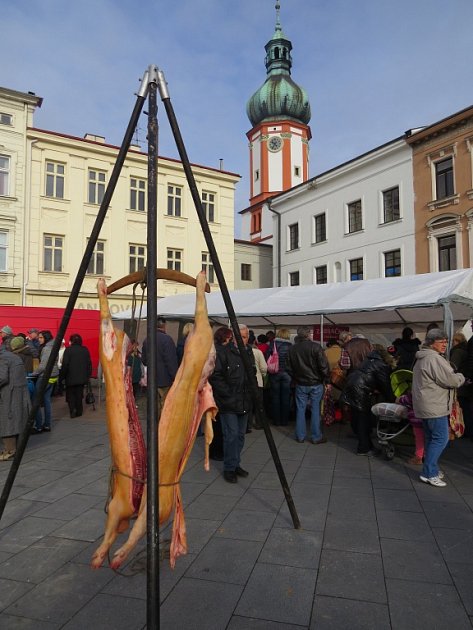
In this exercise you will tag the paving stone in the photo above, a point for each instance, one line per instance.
(404, 525)
(290, 466)
(352, 576)
(10, 622)
(456, 545)
(413, 560)
(351, 535)
(99, 488)
(261, 500)
(278, 593)
(199, 604)
(428, 494)
(10, 591)
(246, 525)
(64, 486)
(425, 605)
(61, 595)
(345, 503)
(330, 613)
(360, 485)
(403, 500)
(199, 532)
(25, 532)
(108, 611)
(36, 562)
(292, 547)
(391, 479)
(448, 515)
(462, 575)
(357, 468)
(225, 560)
(246, 623)
(190, 491)
(314, 476)
(87, 526)
(16, 509)
(210, 506)
(68, 507)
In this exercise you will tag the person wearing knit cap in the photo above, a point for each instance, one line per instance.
(6, 333)
(17, 346)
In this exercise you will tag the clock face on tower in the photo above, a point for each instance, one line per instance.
(275, 143)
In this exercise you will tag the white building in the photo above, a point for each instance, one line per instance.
(353, 222)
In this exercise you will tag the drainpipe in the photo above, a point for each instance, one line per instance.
(278, 241)
(27, 215)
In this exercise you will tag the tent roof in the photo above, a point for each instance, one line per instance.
(381, 301)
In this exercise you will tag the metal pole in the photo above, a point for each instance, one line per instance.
(152, 515)
(23, 438)
(225, 293)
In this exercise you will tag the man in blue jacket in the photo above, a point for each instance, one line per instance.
(166, 359)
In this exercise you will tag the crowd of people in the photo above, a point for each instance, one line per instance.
(23, 361)
(290, 382)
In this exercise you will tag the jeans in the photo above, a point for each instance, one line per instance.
(233, 430)
(435, 441)
(280, 397)
(304, 393)
(39, 423)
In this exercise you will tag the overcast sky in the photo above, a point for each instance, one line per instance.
(372, 68)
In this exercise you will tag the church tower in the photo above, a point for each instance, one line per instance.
(279, 112)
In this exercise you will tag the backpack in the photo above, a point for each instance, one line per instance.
(273, 361)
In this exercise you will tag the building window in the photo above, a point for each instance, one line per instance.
(245, 271)
(3, 251)
(255, 222)
(391, 205)
(174, 201)
(55, 180)
(293, 236)
(320, 228)
(137, 194)
(208, 204)
(444, 178)
(4, 175)
(6, 119)
(97, 262)
(447, 252)
(392, 263)
(96, 186)
(208, 268)
(297, 171)
(174, 259)
(294, 279)
(256, 175)
(354, 217)
(53, 246)
(321, 274)
(356, 269)
(137, 257)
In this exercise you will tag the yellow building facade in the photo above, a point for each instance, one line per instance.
(53, 206)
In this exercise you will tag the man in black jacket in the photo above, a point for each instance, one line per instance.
(232, 394)
(308, 366)
(75, 370)
(166, 361)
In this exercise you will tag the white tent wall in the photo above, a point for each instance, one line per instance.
(379, 308)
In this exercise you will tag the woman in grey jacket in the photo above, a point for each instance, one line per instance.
(47, 341)
(432, 395)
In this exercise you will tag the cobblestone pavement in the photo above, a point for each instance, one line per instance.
(377, 548)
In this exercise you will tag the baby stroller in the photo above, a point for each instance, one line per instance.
(392, 419)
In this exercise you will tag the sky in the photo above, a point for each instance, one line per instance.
(372, 69)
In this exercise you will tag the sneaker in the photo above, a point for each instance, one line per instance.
(441, 474)
(47, 429)
(6, 455)
(434, 481)
(300, 441)
(322, 440)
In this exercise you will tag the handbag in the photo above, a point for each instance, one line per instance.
(273, 360)
(337, 377)
(457, 424)
(328, 407)
(89, 397)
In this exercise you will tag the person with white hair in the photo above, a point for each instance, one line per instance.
(434, 380)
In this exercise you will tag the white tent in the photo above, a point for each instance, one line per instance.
(386, 303)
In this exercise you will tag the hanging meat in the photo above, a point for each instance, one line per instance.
(128, 452)
(188, 401)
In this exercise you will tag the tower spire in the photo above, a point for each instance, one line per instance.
(278, 21)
